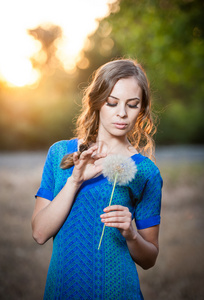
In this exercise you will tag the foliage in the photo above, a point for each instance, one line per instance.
(167, 39)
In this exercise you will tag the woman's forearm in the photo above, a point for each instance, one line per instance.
(48, 221)
(49, 217)
(143, 252)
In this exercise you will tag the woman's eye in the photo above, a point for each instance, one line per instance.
(111, 104)
(133, 105)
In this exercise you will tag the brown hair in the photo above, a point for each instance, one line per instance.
(96, 95)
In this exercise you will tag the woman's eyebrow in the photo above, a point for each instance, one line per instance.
(135, 98)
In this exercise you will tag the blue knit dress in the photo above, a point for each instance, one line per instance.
(78, 270)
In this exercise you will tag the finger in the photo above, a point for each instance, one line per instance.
(98, 156)
(75, 158)
(116, 207)
(124, 213)
(121, 226)
(123, 219)
(88, 152)
(95, 147)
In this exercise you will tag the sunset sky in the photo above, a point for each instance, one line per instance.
(76, 18)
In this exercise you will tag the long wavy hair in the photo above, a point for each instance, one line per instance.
(96, 94)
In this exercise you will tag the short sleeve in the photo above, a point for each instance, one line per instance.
(147, 213)
(46, 189)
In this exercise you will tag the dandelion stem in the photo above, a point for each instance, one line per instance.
(101, 236)
(116, 176)
(115, 180)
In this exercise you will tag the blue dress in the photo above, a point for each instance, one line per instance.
(78, 270)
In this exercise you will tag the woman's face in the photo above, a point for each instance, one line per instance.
(119, 113)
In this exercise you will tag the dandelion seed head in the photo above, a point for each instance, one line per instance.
(121, 165)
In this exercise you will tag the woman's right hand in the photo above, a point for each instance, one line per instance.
(87, 166)
(48, 216)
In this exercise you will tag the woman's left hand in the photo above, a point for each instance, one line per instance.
(120, 217)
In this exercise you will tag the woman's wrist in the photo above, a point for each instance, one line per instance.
(132, 237)
(73, 182)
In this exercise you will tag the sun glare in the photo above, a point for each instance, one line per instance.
(76, 18)
(19, 72)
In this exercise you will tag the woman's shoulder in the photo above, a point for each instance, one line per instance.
(145, 164)
(59, 149)
(65, 146)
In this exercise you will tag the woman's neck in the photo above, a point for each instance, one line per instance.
(115, 145)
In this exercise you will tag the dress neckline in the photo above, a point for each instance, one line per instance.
(132, 156)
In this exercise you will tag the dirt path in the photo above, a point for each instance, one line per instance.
(179, 272)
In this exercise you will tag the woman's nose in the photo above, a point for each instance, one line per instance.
(122, 111)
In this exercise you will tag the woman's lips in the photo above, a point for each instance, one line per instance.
(120, 125)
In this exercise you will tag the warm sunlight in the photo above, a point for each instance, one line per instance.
(76, 18)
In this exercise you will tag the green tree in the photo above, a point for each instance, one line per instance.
(167, 39)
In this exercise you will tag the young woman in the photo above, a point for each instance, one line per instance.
(72, 201)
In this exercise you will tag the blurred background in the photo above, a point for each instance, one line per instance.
(48, 51)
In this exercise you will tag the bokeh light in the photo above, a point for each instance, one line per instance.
(77, 19)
